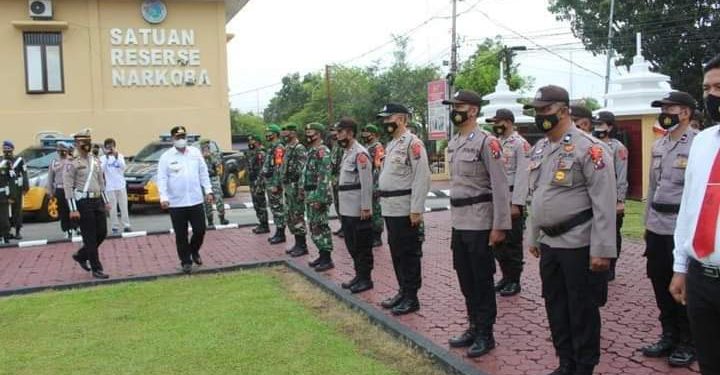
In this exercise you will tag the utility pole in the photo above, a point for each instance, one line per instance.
(610, 50)
(328, 88)
(453, 58)
(506, 55)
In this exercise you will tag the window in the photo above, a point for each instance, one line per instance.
(43, 63)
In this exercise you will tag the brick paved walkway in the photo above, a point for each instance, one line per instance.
(524, 347)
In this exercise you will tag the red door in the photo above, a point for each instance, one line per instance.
(629, 132)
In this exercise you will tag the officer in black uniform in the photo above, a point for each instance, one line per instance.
(19, 185)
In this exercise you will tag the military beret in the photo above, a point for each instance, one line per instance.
(315, 126)
(203, 141)
(83, 134)
(177, 130)
(8, 144)
(290, 127)
(272, 128)
(370, 128)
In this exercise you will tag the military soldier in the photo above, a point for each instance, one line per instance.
(215, 171)
(667, 179)
(509, 253)
(5, 182)
(371, 135)
(18, 186)
(480, 200)
(84, 186)
(403, 186)
(572, 222)
(55, 187)
(582, 117)
(255, 161)
(336, 154)
(315, 184)
(292, 167)
(272, 178)
(604, 123)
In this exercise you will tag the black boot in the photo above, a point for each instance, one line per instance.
(510, 289)
(210, 223)
(17, 234)
(393, 301)
(300, 247)
(223, 221)
(315, 262)
(365, 283)
(567, 367)
(377, 239)
(408, 305)
(500, 284)
(351, 282)
(466, 338)
(338, 232)
(279, 237)
(682, 356)
(484, 343)
(261, 228)
(326, 262)
(662, 348)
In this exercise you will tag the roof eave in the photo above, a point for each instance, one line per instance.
(232, 7)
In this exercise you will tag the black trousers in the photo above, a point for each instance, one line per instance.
(358, 240)
(93, 228)
(703, 307)
(17, 212)
(509, 254)
(181, 217)
(618, 237)
(65, 223)
(573, 295)
(673, 315)
(474, 264)
(4, 218)
(406, 252)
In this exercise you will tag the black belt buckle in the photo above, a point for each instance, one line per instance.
(710, 271)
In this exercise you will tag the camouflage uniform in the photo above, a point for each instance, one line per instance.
(215, 169)
(292, 167)
(315, 182)
(377, 154)
(271, 174)
(256, 160)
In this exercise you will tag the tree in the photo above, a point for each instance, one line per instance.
(292, 97)
(678, 35)
(246, 123)
(481, 71)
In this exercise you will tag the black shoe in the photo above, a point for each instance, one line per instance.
(279, 237)
(392, 301)
(351, 282)
(224, 221)
(210, 224)
(83, 263)
(338, 232)
(100, 275)
(377, 239)
(406, 306)
(565, 368)
(682, 356)
(127, 229)
(662, 348)
(500, 285)
(483, 344)
(326, 262)
(361, 286)
(465, 339)
(187, 268)
(196, 258)
(261, 229)
(314, 263)
(18, 236)
(298, 251)
(510, 289)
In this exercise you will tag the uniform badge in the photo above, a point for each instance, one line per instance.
(567, 138)
(539, 150)
(526, 147)
(495, 148)
(362, 160)
(559, 176)
(471, 136)
(416, 150)
(683, 139)
(547, 125)
(279, 153)
(379, 156)
(622, 154)
(321, 152)
(569, 147)
(681, 162)
(596, 155)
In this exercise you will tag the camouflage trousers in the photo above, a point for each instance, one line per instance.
(377, 221)
(218, 196)
(295, 209)
(257, 191)
(276, 207)
(319, 227)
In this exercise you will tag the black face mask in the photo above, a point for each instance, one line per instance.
(85, 148)
(62, 154)
(499, 129)
(251, 146)
(546, 122)
(96, 152)
(390, 127)
(600, 134)
(344, 143)
(458, 117)
(8, 154)
(667, 120)
(311, 138)
(269, 137)
(712, 107)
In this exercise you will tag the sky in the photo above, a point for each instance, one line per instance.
(277, 37)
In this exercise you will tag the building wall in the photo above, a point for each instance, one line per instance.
(132, 115)
(639, 164)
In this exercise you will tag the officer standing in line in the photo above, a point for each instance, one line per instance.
(604, 123)
(509, 253)
(215, 171)
(316, 191)
(356, 190)
(84, 186)
(5, 181)
(336, 155)
(572, 227)
(667, 179)
(255, 160)
(371, 137)
(582, 117)
(55, 187)
(271, 173)
(292, 167)
(480, 214)
(18, 187)
(403, 186)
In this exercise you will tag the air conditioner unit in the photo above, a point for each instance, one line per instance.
(40, 9)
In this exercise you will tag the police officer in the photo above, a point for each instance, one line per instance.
(582, 117)
(336, 154)
(403, 186)
(5, 182)
(84, 186)
(509, 253)
(572, 225)
(356, 190)
(215, 171)
(18, 186)
(480, 214)
(271, 173)
(316, 191)
(255, 161)
(55, 187)
(604, 123)
(292, 166)
(371, 138)
(667, 179)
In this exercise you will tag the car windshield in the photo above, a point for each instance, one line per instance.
(38, 157)
(151, 153)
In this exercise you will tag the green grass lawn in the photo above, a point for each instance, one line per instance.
(240, 323)
(633, 224)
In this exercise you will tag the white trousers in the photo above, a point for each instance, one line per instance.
(118, 198)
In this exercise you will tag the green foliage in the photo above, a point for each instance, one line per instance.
(246, 123)
(481, 71)
(590, 103)
(292, 97)
(678, 35)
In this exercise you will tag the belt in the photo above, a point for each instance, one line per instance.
(348, 187)
(310, 187)
(706, 270)
(566, 226)
(461, 202)
(394, 193)
(89, 195)
(666, 208)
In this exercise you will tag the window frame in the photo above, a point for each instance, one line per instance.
(44, 65)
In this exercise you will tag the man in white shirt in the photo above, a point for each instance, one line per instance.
(182, 176)
(113, 166)
(696, 282)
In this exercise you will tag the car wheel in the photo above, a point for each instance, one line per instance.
(231, 185)
(50, 211)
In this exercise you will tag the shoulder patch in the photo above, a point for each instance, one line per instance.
(321, 152)
(416, 149)
(362, 160)
(596, 155)
(622, 153)
(279, 153)
(495, 147)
